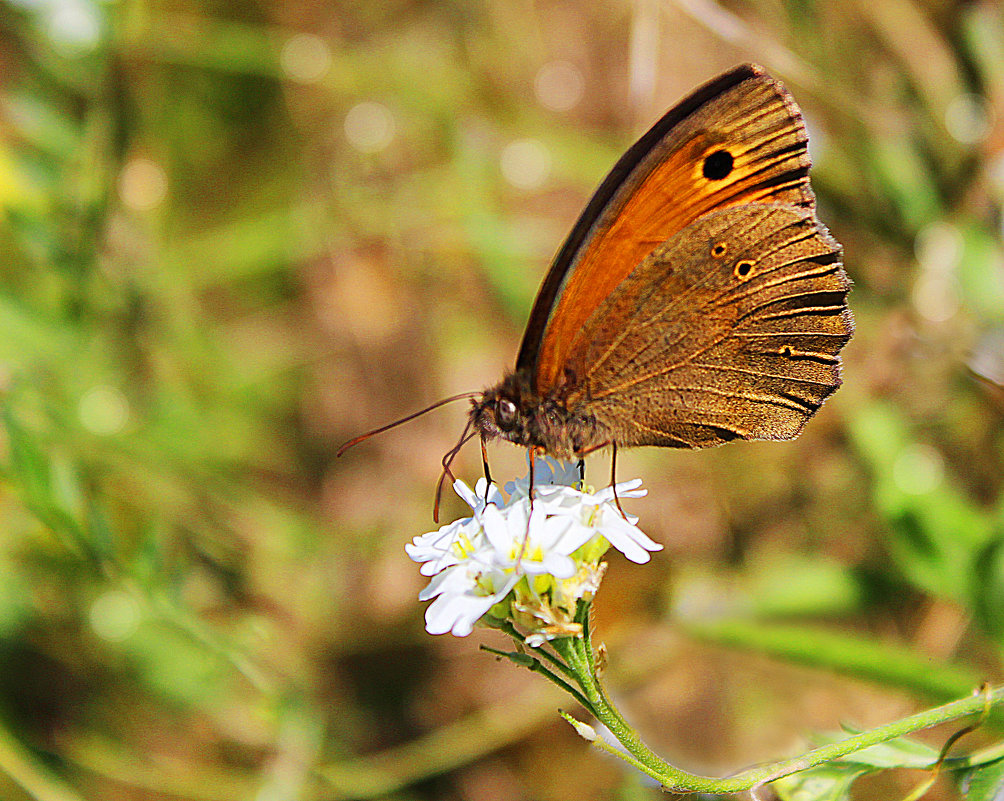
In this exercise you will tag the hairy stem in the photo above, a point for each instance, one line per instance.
(573, 650)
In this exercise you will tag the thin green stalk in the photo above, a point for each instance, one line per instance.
(535, 665)
(508, 628)
(573, 650)
(909, 725)
(598, 742)
(30, 773)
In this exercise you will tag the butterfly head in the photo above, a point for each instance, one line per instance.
(506, 411)
(514, 411)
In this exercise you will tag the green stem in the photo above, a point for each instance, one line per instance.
(535, 665)
(573, 650)
(518, 637)
(675, 779)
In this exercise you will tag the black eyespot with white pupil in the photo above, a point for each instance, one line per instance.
(717, 165)
(505, 414)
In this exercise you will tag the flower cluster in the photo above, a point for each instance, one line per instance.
(528, 563)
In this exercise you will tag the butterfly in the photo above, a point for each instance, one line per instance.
(696, 301)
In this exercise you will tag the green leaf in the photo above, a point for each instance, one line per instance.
(28, 465)
(831, 782)
(43, 124)
(937, 533)
(983, 783)
(979, 273)
(899, 753)
(854, 655)
(794, 584)
(905, 179)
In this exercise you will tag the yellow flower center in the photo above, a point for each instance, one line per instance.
(462, 546)
(591, 516)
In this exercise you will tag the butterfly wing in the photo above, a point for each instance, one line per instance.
(738, 139)
(731, 329)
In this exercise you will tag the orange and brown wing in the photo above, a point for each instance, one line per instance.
(739, 139)
(732, 329)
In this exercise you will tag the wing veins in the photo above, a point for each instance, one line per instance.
(665, 434)
(712, 302)
(664, 371)
(752, 334)
(758, 374)
(784, 401)
(804, 310)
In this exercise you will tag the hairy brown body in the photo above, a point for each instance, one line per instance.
(512, 411)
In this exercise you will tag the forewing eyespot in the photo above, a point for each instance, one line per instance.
(717, 165)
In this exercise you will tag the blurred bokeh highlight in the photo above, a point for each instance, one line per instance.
(236, 234)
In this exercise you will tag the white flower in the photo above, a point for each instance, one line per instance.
(581, 516)
(533, 564)
(523, 542)
(455, 542)
(464, 593)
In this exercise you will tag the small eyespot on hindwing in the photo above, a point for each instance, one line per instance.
(743, 269)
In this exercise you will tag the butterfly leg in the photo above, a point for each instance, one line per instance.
(593, 449)
(613, 469)
(532, 454)
(613, 478)
(488, 472)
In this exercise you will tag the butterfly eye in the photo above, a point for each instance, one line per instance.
(505, 414)
(717, 165)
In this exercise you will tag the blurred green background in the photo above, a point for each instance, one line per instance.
(236, 234)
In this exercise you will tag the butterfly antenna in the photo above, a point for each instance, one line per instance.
(466, 436)
(436, 405)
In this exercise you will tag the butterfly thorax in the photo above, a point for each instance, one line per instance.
(512, 410)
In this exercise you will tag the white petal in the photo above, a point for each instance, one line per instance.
(451, 580)
(488, 494)
(435, 541)
(559, 565)
(469, 496)
(436, 549)
(569, 534)
(628, 539)
(498, 531)
(427, 554)
(430, 567)
(459, 611)
(624, 489)
(456, 613)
